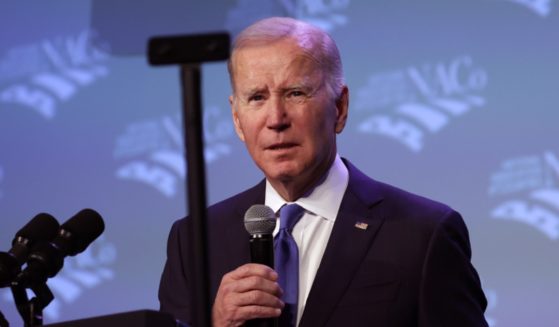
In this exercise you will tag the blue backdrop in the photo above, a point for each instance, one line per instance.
(452, 99)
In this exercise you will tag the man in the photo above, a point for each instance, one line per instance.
(369, 254)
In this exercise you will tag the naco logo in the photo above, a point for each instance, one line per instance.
(407, 104)
(540, 7)
(53, 71)
(85, 271)
(491, 296)
(155, 154)
(532, 194)
(326, 14)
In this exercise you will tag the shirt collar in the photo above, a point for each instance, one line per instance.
(324, 200)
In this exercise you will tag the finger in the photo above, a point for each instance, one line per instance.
(235, 308)
(254, 312)
(257, 298)
(253, 269)
(254, 283)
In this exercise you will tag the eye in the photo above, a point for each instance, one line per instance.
(255, 97)
(296, 93)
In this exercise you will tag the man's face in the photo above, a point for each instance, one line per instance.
(283, 111)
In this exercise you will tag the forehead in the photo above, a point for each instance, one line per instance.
(275, 61)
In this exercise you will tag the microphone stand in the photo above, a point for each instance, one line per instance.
(196, 197)
(190, 52)
(3, 321)
(31, 311)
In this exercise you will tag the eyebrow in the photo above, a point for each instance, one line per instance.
(253, 91)
(308, 88)
(297, 86)
(302, 86)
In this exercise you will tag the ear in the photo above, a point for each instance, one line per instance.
(236, 121)
(342, 107)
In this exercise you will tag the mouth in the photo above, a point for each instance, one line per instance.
(281, 146)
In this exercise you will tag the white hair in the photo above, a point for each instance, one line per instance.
(312, 40)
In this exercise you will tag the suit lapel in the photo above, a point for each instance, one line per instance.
(228, 239)
(354, 230)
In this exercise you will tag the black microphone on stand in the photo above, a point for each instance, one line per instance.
(260, 222)
(73, 237)
(42, 228)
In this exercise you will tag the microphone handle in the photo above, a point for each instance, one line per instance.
(262, 251)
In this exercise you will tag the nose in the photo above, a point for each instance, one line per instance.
(278, 119)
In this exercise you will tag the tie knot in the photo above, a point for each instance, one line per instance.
(290, 215)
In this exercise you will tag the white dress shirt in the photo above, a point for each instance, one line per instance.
(313, 230)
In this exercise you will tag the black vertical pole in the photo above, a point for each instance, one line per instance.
(190, 51)
(196, 180)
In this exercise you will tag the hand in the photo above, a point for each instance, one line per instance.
(248, 292)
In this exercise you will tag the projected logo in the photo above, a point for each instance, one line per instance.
(540, 7)
(411, 103)
(528, 192)
(85, 271)
(325, 14)
(154, 149)
(491, 296)
(43, 75)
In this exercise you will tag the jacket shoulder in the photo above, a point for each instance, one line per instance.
(233, 206)
(401, 204)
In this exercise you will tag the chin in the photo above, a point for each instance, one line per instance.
(283, 176)
(284, 173)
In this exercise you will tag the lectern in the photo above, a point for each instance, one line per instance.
(140, 318)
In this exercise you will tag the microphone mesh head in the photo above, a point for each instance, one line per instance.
(260, 220)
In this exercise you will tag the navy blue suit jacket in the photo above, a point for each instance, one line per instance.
(409, 267)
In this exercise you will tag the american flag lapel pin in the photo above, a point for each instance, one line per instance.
(361, 225)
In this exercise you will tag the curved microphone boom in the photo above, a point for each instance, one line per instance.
(74, 237)
(260, 222)
(42, 228)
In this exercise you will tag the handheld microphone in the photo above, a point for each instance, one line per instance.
(42, 228)
(73, 237)
(260, 222)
